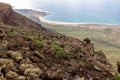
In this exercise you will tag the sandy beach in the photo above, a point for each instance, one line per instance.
(85, 25)
(57, 23)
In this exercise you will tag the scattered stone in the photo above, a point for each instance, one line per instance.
(23, 67)
(5, 62)
(35, 59)
(80, 79)
(26, 61)
(11, 75)
(97, 68)
(4, 45)
(2, 76)
(33, 72)
(21, 78)
(118, 66)
(3, 54)
(16, 55)
(2, 34)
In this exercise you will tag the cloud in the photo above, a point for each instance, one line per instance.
(19, 3)
(57, 3)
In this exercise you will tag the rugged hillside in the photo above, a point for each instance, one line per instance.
(30, 54)
(8, 16)
(105, 37)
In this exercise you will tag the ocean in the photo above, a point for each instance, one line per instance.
(106, 12)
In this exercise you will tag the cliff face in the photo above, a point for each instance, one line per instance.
(31, 12)
(30, 54)
(8, 16)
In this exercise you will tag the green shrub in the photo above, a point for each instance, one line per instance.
(82, 62)
(47, 63)
(10, 32)
(37, 44)
(60, 52)
(36, 38)
(117, 77)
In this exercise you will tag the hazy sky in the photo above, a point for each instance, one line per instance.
(86, 9)
(19, 3)
(69, 5)
(72, 3)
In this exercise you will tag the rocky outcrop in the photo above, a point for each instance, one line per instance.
(48, 56)
(8, 16)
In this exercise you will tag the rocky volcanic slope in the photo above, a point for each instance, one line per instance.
(28, 52)
(8, 16)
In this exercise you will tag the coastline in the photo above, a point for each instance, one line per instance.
(85, 25)
(72, 23)
(57, 23)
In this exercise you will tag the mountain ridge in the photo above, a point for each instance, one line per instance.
(8, 16)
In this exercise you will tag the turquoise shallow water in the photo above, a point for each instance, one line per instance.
(106, 12)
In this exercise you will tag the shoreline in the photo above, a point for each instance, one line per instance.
(83, 25)
(74, 23)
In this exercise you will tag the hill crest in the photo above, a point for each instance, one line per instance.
(8, 16)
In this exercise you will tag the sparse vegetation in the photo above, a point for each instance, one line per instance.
(60, 52)
(38, 43)
(117, 77)
(47, 63)
(36, 38)
(9, 32)
(106, 40)
(82, 63)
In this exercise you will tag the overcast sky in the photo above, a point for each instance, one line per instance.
(58, 4)
(32, 3)
(19, 3)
